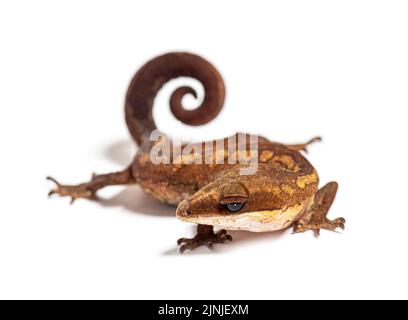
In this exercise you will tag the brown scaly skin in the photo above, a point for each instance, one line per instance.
(282, 193)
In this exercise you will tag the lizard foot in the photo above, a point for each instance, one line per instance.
(316, 218)
(75, 192)
(205, 237)
(327, 224)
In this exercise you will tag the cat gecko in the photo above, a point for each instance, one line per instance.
(283, 192)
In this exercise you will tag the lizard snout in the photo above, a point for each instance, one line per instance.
(183, 209)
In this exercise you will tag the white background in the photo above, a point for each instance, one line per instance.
(293, 69)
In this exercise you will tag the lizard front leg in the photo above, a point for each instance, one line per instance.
(205, 237)
(89, 189)
(316, 217)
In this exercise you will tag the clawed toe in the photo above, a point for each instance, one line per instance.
(223, 236)
(54, 180)
(311, 141)
(184, 241)
(304, 146)
(340, 223)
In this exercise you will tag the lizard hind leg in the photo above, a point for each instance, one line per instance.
(88, 189)
(304, 146)
(316, 217)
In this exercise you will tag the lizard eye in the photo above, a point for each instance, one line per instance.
(234, 207)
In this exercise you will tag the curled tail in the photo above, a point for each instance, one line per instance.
(154, 74)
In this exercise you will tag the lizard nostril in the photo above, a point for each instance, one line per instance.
(183, 208)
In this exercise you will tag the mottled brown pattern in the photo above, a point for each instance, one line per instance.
(284, 186)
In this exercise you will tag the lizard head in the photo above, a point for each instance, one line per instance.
(236, 202)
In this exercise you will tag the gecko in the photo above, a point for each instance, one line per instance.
(283, 192)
